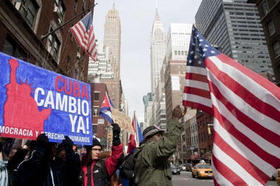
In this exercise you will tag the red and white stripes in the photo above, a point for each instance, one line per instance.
(85, 38)
(246, 110)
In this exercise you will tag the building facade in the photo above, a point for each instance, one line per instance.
(23, 29)
(205, 134)
(234, 27)
(101, 68)
(148, 114)
(174, 76)
(270, 19)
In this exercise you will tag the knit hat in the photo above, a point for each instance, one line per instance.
(151, 130)
(95, 142)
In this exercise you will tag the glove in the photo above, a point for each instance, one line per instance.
(116, 134)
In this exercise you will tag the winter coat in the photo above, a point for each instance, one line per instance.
(37, 170)
(100, 171)
(152, 167)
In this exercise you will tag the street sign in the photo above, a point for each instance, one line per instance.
(34, 100)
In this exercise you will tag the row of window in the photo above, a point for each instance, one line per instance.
(179, 52)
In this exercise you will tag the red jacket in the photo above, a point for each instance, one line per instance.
(110, 164)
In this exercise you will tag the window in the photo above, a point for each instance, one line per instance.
(95, 111)
(96, 96)
(53, 45)
(276, 49)
(12, 48)
(265, 7)
(28, 9)
(59, 8)
(271, 28)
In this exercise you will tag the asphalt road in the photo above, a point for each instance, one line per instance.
(185, 179)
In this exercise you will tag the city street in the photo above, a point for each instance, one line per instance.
(185, 179)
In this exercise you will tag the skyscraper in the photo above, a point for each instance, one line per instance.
(158, 48)
(112, 40)
(234, 27)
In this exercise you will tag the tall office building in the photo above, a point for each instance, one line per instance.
(234, 27)
(158, 48)
(174, 76)
(112, 40)
(270, 19)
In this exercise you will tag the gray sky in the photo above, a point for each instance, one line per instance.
(137, 17)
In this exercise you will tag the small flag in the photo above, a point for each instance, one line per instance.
(84, 34)
(137, 130)
(105, 109)
(246, 111)
(131, 144)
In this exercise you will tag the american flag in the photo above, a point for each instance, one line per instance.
(84, 34)
(246, 111)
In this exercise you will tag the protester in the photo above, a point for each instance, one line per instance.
(46, 165)
(151, 166)
(68, 163)
(14, 161)
(96, 171)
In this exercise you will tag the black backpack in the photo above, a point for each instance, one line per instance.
(127, 167)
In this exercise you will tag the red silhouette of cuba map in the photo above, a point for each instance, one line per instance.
(21, 113)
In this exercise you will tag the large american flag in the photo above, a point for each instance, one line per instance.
(246, 111)
(84, 34)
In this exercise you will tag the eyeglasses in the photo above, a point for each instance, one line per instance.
(95, 149)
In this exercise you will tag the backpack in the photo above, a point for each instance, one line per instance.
(127, 167)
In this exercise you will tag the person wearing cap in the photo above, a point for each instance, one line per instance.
(152, 167)
(96, 171)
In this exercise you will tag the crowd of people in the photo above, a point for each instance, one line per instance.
(44, 163)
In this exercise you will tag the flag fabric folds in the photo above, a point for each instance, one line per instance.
(84, 34)
(246, 111)
(136, 138)
(105, 109)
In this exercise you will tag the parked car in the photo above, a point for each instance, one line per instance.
(202, 170)
(175, 169)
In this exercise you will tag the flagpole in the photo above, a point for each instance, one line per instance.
(69, 21)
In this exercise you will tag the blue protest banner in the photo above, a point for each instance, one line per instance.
(35, 100)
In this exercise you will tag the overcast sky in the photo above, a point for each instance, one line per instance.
(137, 17)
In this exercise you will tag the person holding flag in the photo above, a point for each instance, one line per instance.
(96, 171)
(152, 167)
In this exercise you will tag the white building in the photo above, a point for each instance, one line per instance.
(101, 68)
(178, 41)
(158, 49)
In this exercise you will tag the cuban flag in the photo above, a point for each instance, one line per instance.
(105, 110)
